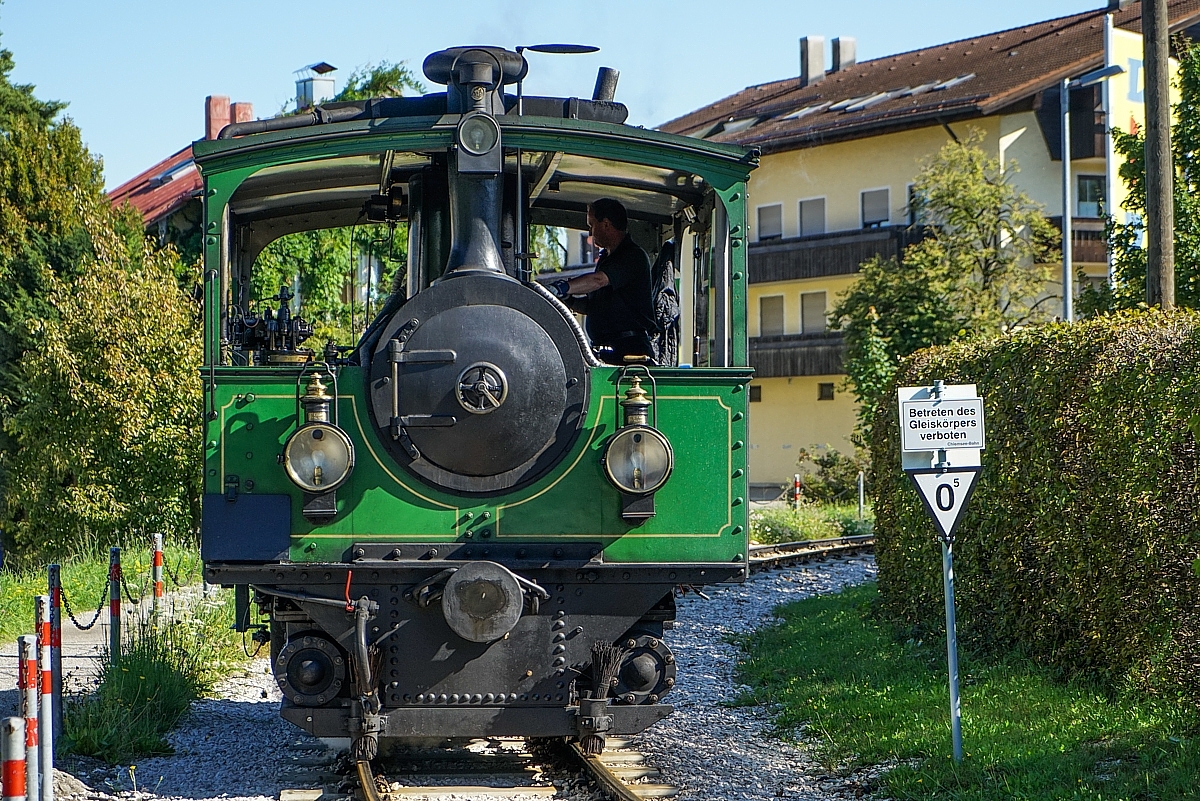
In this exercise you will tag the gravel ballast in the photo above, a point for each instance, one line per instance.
(238, 748)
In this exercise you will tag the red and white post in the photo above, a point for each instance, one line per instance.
(796, 493)
(114, 605)
(156, 575)
(27, 653)
(46, 710)
(12, 759)
(54, 580)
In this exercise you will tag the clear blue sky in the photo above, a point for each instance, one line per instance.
(136, 73)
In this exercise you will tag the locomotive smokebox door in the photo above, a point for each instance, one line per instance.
(479, 385)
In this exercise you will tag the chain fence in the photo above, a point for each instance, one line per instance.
(70, 614)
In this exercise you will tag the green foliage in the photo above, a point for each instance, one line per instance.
(811, 521)
(98, 351)
(981, 269)
(101, 409)
(386, 79)
(164, 667)
(865, 696)
(1125, 238)
(1078, 544)
(835, 477)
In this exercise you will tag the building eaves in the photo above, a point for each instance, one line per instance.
(968, 78)
(162, 189)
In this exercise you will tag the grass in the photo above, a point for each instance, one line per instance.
(812, 521)
(866, 698)
(163, 669)
(85, 580)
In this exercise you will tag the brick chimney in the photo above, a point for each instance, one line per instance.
(812, 60)
(241, 112)
(216, 115)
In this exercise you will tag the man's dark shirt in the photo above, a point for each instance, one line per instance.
(624, 305)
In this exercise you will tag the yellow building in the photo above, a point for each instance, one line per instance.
(840, 150)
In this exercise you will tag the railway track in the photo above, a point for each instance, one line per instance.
(493, 769)
(783, 554)
(519, 769)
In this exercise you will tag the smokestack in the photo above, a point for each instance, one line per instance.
(216, 115)
(606, 84)
(812, 59)
(241, 112)
(843, 53)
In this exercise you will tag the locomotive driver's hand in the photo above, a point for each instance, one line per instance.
(561, 289)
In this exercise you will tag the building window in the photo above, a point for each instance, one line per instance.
(914, 216)
(756, 393)
(812, 312)
(770, 222)
(812, 216)
(875, 208)
(770, 316)
(825, 391)
(587, 253)
(1090, 196)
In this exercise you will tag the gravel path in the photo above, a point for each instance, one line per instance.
(237, 748)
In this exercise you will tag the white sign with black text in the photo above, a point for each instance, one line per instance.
(945, 493)
(941, 424)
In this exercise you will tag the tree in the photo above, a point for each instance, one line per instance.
(981, 269)
(1125, 238)
(99, 403)
(105, 436)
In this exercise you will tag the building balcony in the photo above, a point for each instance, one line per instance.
(823, 255)
(797, 354)
(1089, 244)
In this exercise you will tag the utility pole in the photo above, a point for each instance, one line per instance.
(1160, 170)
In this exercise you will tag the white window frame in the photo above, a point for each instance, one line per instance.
(825, 223)
(862, 223)
(757, 227)
(782, 298)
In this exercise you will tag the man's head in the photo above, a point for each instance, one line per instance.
(607, 222)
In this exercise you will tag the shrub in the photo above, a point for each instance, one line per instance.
(163, 668)
(809, 522)
(1078, 545)
(836, 475)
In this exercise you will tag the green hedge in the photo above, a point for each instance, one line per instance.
(1078, 545)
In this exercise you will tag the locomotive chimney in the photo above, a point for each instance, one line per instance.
(474, 78)
(606, 84)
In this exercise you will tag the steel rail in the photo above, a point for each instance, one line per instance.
(763, 557)
(612, 785)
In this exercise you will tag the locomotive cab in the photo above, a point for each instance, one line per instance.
(454, 519)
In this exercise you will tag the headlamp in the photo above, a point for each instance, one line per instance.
(478, 134)
(638, 460)
(318, 457)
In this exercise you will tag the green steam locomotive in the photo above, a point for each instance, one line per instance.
(464, 523)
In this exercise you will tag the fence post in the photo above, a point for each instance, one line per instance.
(46, 709)
(12, 759)
(796, 493)
(54, 580)
(156, 575)
(114, 605)
(27, 654)
(861, 493)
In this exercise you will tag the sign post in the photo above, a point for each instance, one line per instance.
(942, 435)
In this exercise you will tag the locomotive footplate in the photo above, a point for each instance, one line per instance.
(477, 721)
(334, 574)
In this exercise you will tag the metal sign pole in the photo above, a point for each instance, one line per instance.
(952, 646)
